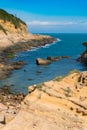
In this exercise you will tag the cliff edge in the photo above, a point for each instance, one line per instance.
(60, 104)
(14, 31)
(10, 24)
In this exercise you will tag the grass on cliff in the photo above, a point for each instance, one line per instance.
(5, 16)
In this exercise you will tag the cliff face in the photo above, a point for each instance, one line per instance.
(54, 105)
(14, 31)
(83, 58)
(11, 24)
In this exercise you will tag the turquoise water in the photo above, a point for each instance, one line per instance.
(69, 44)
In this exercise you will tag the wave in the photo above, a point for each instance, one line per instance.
(34, 49)
(45, 46)
(59, 40)
(48, 45)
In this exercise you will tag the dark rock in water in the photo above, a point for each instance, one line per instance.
(54, 58)
(66, 56)
(41, 61)
(57, 58)
(83, 57)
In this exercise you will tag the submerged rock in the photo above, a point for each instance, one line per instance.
(51, 58)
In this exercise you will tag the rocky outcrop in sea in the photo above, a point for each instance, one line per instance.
(83, 57)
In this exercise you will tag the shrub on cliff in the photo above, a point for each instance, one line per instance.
(5, 16)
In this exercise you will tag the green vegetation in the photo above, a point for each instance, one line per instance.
(59, 78)
(10, 55)
(74, 71)
(39, 86)
(5, 16)
(68, 92)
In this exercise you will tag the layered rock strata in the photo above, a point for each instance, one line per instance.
(60, 104)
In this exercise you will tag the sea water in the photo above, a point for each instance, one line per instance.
(69, 44)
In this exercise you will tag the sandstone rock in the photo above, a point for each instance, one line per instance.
(31, 88)
(49, 108)
(2, 119)
(83, 79)
(3, 107)
(41, 61)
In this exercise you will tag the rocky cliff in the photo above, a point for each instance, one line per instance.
(11, 24)
(14, 31)
(60, 104)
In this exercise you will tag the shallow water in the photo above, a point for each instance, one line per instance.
(69, 44)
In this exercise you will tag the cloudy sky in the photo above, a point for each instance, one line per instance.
(50, 16)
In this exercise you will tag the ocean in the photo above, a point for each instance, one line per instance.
(68, 44)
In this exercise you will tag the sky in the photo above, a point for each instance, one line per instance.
(50, 16)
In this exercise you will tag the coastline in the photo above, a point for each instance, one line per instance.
(47, 100)
(26, 43)
(10, 102)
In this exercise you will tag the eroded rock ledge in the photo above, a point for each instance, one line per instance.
(60, 104)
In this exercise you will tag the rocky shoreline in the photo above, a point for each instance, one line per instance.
(57, 104)
(10, 102)
(25, 44)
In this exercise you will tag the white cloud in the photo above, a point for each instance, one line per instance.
(47, 23)
(84, 23)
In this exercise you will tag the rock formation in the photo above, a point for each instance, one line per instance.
(60, 104)
(13, 31)
(14, 37)
(41, 61)
(57, 58)
(11, 24)
(83, 57)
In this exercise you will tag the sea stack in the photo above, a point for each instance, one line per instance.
(83, 57)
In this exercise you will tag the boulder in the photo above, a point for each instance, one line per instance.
(41, 61)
